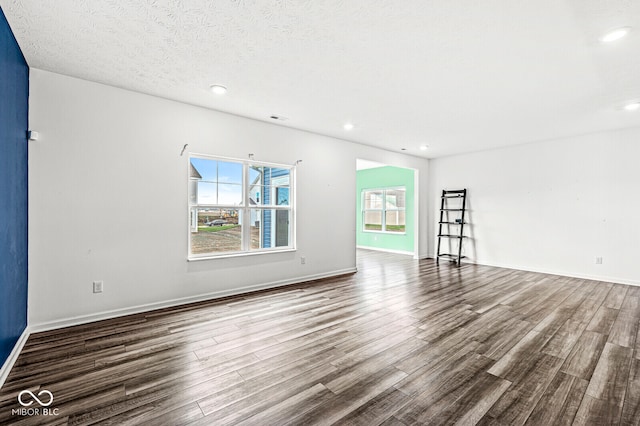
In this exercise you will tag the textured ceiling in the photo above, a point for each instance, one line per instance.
(458, 75)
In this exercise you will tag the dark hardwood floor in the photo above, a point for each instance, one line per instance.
(401, 342)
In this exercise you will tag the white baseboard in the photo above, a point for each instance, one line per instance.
(616, 280)
(560, 273)
(83, 319)
(13, 356)
(410, 253)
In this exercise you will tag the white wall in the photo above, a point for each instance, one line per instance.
(553, 206)
(107, 155)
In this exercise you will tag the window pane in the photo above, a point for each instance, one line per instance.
(265, 183)
(229, 172)
(204, 169)
(207, 193)
(256, 195)
(256, 174)
(269, 228)
(395, 221)
(372, 200)
(260, 195)
(396, 198)
(193, 191)
(217, 231)
(373, 221)
(281, 197)
(255, 222)
(229, 194)
(280, 177)
(215, 182)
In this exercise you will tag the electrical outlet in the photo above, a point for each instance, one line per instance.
(97, 286)
(303, 260)
(598, 260)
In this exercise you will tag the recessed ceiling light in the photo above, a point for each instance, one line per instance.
(424, 147)
(278, 117)
(218, 89)
(403, 149)
(633, 106)
(348, 126)
(614, 35)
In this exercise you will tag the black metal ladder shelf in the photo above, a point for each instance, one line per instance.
(446, 219)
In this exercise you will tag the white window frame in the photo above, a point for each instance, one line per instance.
(244, 209)
(383, 210)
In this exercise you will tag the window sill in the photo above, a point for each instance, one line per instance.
(242, 254)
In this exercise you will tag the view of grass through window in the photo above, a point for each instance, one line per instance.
(238, 206)
(384, 210)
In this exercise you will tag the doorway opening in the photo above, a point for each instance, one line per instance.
(386, 208)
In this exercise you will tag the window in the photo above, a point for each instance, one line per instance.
(383, 210)
(238, 207)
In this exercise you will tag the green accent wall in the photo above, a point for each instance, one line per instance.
(380, 178)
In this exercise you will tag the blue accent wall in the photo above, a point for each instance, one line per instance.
(14, 108)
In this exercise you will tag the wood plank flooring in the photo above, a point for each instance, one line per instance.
(401, 342)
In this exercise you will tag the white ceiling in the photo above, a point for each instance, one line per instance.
(458, 75)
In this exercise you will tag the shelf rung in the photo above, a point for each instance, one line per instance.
(451, 210)
(452, 223)
(450, 255)
(450, 236)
